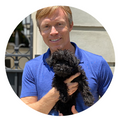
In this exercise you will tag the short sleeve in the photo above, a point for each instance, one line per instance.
(28, 82)
(105, 77)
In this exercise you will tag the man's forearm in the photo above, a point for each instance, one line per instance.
(46, 103)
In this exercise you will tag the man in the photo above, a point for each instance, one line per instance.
(55, 24)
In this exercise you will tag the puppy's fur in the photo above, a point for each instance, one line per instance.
(65, 64)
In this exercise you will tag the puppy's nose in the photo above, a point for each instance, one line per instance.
(61, 69)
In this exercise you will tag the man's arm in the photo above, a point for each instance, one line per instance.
(47, 102)
(105, 76)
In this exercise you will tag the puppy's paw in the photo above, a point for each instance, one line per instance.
(89, 101)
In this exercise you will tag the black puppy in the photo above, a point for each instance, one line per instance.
(65, 64)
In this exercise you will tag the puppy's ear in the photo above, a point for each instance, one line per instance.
(49, 61)
(76, 61)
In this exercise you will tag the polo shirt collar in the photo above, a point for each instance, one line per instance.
(78, 54)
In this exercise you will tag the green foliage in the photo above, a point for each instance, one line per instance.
(22, 37)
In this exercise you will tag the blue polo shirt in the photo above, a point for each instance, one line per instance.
(37, 76)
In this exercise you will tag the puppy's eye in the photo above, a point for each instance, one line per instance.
(58, 62)
(66, 63)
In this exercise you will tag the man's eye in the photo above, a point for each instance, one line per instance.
(46, 26)
(59, 24)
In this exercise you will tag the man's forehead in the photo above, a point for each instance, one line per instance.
(56, 15)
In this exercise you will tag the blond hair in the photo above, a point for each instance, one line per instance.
(42, 13)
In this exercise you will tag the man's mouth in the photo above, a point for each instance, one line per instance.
(55, 40)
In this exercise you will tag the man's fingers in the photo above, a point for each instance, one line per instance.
(71, 85)
(71, 91)
(60, 114)
(71, 78)
(74, 111)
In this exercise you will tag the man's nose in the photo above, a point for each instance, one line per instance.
(53, 31)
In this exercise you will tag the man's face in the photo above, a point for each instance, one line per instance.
(55, 30)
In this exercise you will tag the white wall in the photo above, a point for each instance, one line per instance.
(87, 33)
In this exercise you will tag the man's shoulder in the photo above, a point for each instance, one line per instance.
(90, 56)
(95, 61)
(35, 62)
(86, 55)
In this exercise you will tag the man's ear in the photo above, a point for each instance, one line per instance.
(71, 26)
(39, 30)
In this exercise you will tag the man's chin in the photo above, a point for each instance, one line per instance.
(56, 48)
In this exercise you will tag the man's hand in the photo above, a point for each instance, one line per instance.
(72, 87)
(74, 111)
